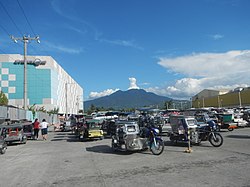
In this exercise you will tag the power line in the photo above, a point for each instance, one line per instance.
(5, 30)
(26, 17)
(11, 18)
(9, 34)
(19, 4)
(25, 40)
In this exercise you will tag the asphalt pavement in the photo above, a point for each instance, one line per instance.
(64, 161)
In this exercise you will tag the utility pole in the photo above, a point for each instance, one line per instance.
(66, 102)
(239, 98)
(25, 40)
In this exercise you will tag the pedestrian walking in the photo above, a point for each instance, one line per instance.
(44, 129)
(36, 126)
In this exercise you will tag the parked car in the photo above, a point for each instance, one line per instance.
(15, 133)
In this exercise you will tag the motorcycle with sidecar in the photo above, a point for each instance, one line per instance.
(91, 129)
(129, 137)
(226, 121)
(15, 133)
(28, 129)
(182, 126)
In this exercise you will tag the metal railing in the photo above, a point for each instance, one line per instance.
(12, 113)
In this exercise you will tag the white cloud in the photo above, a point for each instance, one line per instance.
(132, 83)
(56, 6)
(60, 48)
(70, 15)
(208, 64)
(217, 36)
(94, 95)
(123, 43)
(206, 71)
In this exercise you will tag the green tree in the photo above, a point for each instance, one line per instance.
(54, 111)
(3, 99)
(91, 109)
(42, 109)
(32, 109)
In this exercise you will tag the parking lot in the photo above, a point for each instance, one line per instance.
(64, 161)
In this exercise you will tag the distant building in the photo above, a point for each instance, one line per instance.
(239, 97)
(206, 93)
(48, 85)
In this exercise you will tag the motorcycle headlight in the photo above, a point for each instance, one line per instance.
(214, 127)
(157, 131)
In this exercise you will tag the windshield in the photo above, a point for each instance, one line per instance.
(191, 122)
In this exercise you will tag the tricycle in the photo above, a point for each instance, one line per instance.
(185, 126)
(226, 121)
(28, 129)
(15, 133)
(129, 137)
(91, 130)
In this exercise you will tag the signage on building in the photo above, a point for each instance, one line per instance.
(36, 62)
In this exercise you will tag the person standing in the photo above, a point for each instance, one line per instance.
(36, 128)
(44, 129)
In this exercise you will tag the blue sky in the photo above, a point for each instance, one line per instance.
(173, 48)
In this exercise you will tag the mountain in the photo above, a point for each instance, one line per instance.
(134, 98)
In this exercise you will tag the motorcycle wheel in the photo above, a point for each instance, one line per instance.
(217, 141)
(158, 148)
(3, 150)
(113, 146)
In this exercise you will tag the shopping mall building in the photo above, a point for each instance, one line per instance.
(48, 84)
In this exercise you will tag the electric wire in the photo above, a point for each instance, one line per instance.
(26, 17)
(5, 30)
(27, 20)
(11, 18)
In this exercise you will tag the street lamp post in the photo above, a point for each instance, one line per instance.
(218, 99)
(66, 100)
(78, 100)
(75, 99)
(239, 98)
(25, 40)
